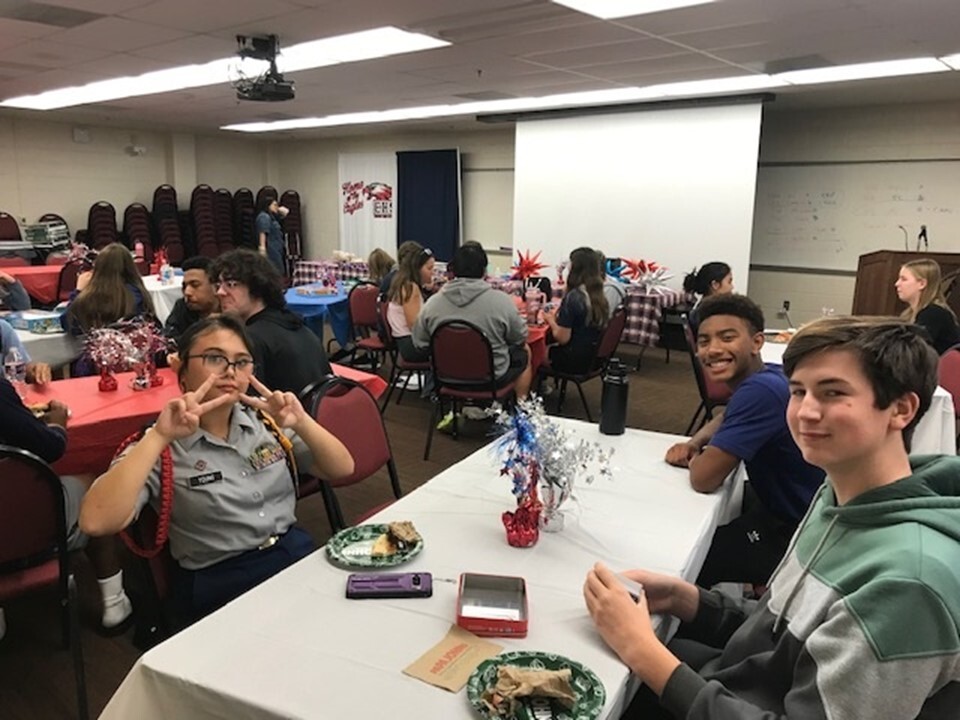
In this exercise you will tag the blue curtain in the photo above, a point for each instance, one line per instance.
(428, 200)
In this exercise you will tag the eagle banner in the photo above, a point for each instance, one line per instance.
(368, 190)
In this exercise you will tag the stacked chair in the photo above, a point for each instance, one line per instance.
(136, 228)
(102, 225)
(223, 219)
(167, 224)
(244, 215)
(204, 226)
(9, 228)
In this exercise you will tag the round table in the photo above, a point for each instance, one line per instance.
(40, 281)
(314, 308)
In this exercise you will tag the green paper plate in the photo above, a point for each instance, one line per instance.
(351, 547)
(591, 694)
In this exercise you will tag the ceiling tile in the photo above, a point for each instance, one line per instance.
(209, 15)
(617, 52)
(118, 35)
(104, 7)
(49, 53)
(189, 50)
(22, 29)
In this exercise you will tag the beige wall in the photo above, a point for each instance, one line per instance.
(231, 162)
(917, 131)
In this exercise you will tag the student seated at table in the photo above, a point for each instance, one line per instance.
(406, 248)
(713, 278)
(469, 297)
(918, 285)
(406, 300)
(752, 430)
(232, 517)
(861, 618)
(13, 296)
(37, 372)
(199, 298)
(614, 291)
(111, 292)
(288, 355)
(379, 265)
(579, 323)
(46, 437)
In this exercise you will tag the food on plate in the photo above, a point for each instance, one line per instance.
(515, 682)
(40, 409)
(399, 536)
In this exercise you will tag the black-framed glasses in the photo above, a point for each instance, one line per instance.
(227, 284)
(221, 363)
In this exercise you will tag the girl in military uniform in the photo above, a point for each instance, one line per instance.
(219, 467)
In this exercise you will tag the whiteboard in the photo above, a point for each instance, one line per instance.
(488, 206)
(827, 216)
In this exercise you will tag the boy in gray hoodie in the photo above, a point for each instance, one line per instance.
(862, 615)
(469, 297)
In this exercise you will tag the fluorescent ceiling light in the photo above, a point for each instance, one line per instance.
(951, 60)
(609, 9)
(594, 97)
(863, 71)
(365, 45)
(743, 83)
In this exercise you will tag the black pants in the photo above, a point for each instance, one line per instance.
(197, 593)
(748, 549)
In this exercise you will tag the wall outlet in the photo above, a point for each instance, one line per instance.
(786, 306)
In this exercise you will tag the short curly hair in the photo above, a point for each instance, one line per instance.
(254, 270)
(736, 305)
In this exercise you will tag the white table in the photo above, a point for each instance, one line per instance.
(164, 296)
(937, 430)
(296, 648)
(55, 349)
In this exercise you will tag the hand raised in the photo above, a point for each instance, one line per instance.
(180, 417)
(284, 407)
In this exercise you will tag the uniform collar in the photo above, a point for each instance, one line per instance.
(242, 418)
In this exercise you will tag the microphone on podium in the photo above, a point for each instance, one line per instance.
(922, 236)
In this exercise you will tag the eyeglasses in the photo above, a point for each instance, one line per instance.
(227, 284)
(221, 363)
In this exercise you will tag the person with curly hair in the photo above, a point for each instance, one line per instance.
(288, 355)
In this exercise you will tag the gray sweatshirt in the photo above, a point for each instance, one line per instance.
(475, 301)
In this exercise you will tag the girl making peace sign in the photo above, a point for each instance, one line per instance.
(233, 494)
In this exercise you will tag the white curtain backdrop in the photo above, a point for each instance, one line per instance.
(368, 190)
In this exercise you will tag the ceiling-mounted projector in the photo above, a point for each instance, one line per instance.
(270, 86)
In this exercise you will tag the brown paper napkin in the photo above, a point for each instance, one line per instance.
(514, 683)
(449, 663)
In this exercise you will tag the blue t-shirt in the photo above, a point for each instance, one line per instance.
(754, 429)
(10, 339)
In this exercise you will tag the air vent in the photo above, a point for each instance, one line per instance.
(486, 95)
(47, 14)
(805, 62)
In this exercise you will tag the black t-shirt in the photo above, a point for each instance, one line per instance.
(941, 326)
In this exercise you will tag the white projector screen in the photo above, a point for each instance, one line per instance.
(675, 186)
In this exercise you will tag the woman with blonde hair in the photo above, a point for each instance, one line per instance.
(918, 285)
(379, 264)
(111, 292)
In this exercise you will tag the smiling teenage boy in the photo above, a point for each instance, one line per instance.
(862, 615)
(753, 429)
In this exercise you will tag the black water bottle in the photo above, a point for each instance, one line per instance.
(613, 400)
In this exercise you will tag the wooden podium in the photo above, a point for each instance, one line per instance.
(878, 271)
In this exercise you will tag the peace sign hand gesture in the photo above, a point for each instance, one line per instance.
(180, 417)
(284, 407)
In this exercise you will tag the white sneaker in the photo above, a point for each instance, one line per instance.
(471, 412)
(3, 624)
(116, 609)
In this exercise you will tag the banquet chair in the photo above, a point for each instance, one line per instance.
(364, 313)
(154, 618)
(399, 368)
(347, 410)
(67, 281)
(607, 346)
(948, 376)
(9, 228)
(712, 394)
(14, 261)
(33, 546)
(464, 372)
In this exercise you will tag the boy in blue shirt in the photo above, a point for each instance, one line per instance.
(753, 430)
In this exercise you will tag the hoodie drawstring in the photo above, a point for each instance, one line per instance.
(806, 570)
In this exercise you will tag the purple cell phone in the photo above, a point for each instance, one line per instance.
(361, 586)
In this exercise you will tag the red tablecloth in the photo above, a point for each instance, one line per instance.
(100, 421)
(537, 340)
(40, 281)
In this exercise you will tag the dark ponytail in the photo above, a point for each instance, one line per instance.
(699, 281)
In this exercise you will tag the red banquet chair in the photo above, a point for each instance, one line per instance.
(33, 546)
(347, 410)
(712, 394)
(399, 368)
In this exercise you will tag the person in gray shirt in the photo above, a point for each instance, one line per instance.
(226, 458)
(13, 296)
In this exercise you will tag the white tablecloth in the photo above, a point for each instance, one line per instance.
(296, 648)
(164, 296)
(55, 349)
(937, 430)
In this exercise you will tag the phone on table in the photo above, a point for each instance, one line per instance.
(362, 586)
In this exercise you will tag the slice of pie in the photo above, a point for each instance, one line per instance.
(384, 546)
